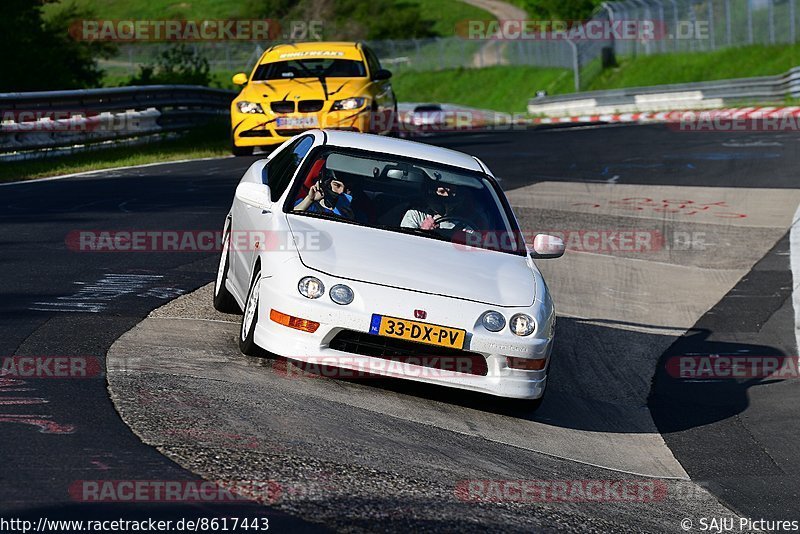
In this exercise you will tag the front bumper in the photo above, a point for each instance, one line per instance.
(500, 380)
(262, 129)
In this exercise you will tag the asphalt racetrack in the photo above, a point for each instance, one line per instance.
(679, 244)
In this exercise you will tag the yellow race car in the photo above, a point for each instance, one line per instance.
(302, 86)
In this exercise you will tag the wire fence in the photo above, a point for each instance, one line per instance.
(705, 25)
(397, 55)
(678, 26)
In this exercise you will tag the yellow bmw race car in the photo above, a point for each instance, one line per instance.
(302, 86)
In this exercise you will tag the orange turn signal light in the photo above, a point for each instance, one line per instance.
(293, 322)
(526, 363)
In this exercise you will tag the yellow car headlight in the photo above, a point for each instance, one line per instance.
(249, 107)
(348, 103)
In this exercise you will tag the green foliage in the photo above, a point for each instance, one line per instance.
(351, 19)
(559, 9)
(179, 64)
(386, 19)
(39, 56)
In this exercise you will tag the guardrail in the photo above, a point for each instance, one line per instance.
(700, 95)
(33, 124)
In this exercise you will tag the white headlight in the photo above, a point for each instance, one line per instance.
(341, 294)
(311, 287)
(249, 107)
(522, 325)
(493, 321)
(348, 103)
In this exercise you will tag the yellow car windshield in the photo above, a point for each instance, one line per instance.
(310, 68)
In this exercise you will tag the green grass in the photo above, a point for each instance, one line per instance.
(448, 13)
(508, 88)
(210, 141)
(498, 88)
(741, 62)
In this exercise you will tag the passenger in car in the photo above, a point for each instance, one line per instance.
(329, 195)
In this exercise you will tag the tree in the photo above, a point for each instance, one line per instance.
(39, 55)
(176, 65)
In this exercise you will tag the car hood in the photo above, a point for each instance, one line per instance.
(413, 262)
(304, 89)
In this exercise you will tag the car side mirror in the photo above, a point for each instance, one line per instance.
(547, 246)
(382, 74)
(239, 79)
(253, 194)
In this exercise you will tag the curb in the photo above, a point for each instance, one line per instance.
(679, 116)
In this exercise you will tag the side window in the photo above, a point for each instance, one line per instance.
(280, 170)
(372, 61)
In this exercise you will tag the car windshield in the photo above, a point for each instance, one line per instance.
(405, 195)
(310, 68)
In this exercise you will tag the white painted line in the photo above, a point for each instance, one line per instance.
(794, 260)
(87, 173)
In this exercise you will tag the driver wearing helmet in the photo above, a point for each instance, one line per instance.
(328, 196)
(441, 200)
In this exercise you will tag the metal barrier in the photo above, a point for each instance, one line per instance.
(687, 96)
(33, 123)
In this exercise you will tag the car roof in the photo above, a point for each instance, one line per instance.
(401, 147)
(334, 50)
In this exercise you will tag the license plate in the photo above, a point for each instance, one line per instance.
(430, 334)
(298, 122)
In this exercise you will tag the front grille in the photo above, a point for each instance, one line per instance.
(283, 106)
(256, 133)
(309, 106)
(400, 350)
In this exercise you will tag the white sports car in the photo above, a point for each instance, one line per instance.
(387, 257)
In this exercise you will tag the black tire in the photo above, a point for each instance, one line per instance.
(247, 331)
(240, 151)
(223, 300)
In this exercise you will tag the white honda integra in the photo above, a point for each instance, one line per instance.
(389, 258)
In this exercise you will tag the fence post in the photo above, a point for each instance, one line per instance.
(749, 22)
(711, 33)
(728, 22)
(576, 67)
(792, 30)
(675, 29)
(771, 6)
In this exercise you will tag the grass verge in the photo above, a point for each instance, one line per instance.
(739, 62)
(209, 141)
(508, 88)
(497, 88)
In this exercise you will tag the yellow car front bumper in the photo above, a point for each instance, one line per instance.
(257, 129)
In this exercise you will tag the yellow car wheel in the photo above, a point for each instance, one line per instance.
(240, 150)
